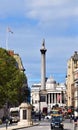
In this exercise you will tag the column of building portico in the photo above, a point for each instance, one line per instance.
(51, 97)
(55, 98)
(48, 98)
(51, 100)
(60, 99)
(49, 105)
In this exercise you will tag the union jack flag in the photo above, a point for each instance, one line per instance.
(9, 30)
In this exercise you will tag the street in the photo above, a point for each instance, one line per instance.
(41, 125)
(45, 125)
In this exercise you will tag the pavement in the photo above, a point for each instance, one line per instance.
(70, 126)
(16, 127)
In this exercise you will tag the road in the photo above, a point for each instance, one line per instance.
(45, 125)
(42, 125)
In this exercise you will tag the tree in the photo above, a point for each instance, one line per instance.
(11, 79)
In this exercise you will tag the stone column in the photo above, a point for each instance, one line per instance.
(52, 98)
(49, 98)
(55, 98)
(43, 66)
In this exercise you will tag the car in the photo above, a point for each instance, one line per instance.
(48, 116)
(57, 122)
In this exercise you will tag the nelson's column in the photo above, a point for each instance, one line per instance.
(43, 65)
(42, 92)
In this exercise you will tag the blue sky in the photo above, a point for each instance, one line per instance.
(31, 21)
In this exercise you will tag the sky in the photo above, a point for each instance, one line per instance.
(31, 21)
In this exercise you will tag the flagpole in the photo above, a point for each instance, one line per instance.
(8, 31)
(7, 37)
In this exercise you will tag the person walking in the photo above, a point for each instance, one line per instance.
(6, 124)
(71, 118)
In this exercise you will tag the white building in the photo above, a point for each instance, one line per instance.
(55, 94)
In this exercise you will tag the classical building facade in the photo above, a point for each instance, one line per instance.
(55, 94)
(72, 65)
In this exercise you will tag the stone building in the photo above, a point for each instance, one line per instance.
(55, 94)
(72, 65)
(18, 60)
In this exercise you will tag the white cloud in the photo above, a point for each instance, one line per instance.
(43, 10)
(56, 22)
(48, 10)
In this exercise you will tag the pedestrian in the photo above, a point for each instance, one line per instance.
(70, 118)
(10, 121)
(6, 123)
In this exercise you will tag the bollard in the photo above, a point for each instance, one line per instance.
(75, 126)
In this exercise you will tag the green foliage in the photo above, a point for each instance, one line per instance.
(11, 79)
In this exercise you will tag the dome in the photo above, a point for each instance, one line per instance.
(51, 83)
(50, 80)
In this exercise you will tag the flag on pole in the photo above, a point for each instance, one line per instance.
(9, 30)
